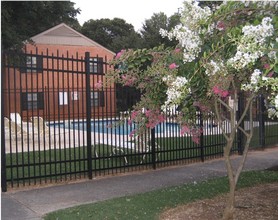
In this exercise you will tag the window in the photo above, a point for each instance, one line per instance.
(32, 100)
(33, 64)
(96, 65)
(97, 98)
(74, 96)
(63, 98)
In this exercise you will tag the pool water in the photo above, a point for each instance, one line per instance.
(116, 127)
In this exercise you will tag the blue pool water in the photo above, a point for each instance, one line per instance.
(124, 129)
(114, 127)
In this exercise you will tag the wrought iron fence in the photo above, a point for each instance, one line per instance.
(58, 124)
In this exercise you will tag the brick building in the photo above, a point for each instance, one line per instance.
(50, 77)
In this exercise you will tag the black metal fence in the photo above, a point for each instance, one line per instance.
(59, 124)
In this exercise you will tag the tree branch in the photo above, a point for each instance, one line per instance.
(247, 144)
(220, 120)
(243, 131)
(246, 109)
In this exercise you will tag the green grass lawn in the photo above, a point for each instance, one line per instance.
(59, 163)
(150, 205)
(271, 132)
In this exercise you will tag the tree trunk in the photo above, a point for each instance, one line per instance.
(230, 207)
(234, 126)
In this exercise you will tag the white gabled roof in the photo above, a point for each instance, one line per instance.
(62, 34)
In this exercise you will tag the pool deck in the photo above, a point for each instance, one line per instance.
(61, 139)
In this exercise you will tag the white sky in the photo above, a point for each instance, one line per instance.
(134, 12)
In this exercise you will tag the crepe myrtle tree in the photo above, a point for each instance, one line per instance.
(222, 52)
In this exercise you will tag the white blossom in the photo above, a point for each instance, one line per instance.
(252, 44)
(174, 91)
(272, 113)
(188, 32)
(261, 3)
(255, 76)
(272, 55)
(254, 82)
(214, 67)
(273, 109)
(188, 39)
(265, 3)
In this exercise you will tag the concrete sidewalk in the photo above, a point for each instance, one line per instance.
(32, 204)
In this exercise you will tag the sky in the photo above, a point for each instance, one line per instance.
(134, 12)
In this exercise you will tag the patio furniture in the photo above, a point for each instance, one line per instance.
(138, 144)
(14, 130)
(40, 126)
(15, 117)
(25, 126)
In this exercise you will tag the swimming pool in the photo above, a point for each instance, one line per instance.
(115, 127)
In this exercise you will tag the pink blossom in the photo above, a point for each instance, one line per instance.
(177, 50)
(266, 66)
(154, 118)
(128, 80)
(99, 84)
(184, 129)
(220, 26)
(196, 134)
(150, 125)
(161, 118)
(123, 77)
(132, 133)
(216, 90)
(132, 117)
(173, 66)
(148, 113)
(224, 93)
(119, 54)
(196, 139)
(270, 74)
(128, 83)
(134, 114)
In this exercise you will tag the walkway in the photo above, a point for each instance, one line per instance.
(32, 204)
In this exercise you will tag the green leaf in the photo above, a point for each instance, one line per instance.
(276, 68)
(257, 22)
(131, 66)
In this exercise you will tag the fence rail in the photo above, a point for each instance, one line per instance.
(58, 124)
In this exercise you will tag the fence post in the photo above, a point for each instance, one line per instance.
(261, 121)
(202, 136)
(3, 147)
(153, 148)
(239, 132)
(88, 115)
